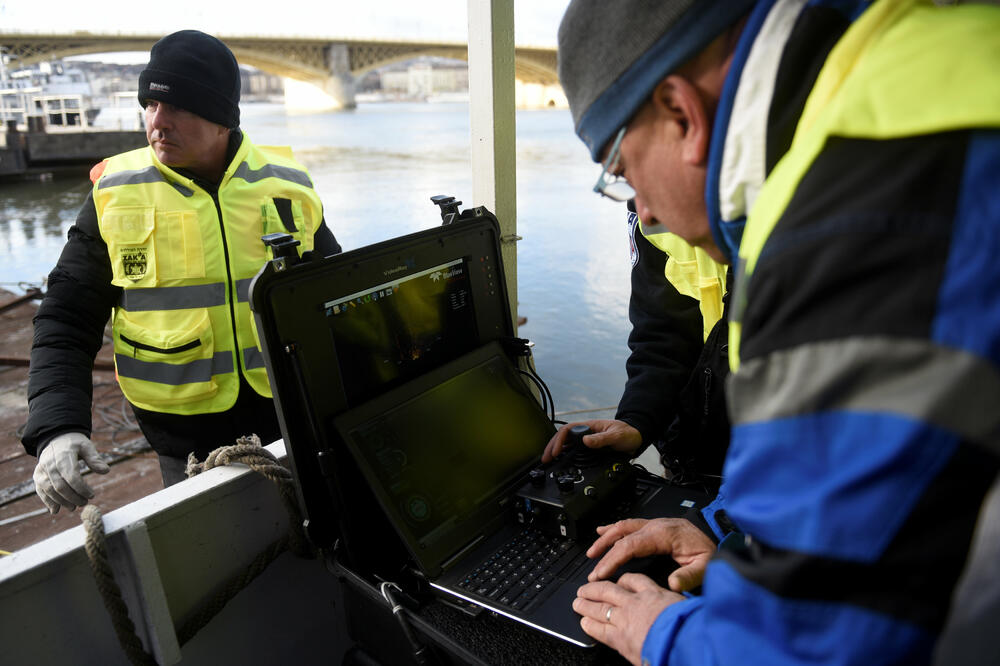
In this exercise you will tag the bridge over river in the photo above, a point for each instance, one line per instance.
(330, 64)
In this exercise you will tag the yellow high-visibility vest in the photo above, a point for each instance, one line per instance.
(183, 329)
(692, 272)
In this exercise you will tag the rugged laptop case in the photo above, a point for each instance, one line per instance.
(288, 297)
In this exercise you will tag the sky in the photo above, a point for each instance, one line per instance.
(535, 21)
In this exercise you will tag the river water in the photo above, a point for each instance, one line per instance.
(375, 168)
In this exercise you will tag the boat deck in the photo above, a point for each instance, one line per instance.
(135, 471)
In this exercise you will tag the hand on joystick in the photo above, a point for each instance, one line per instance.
(604, 433)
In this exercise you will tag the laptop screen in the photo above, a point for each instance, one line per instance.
(442, 452)
(398, 329)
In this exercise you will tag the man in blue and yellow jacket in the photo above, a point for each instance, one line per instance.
(844, 159)
(168, 242)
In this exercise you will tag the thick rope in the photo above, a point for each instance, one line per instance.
(111, 594)
(215, 605)
(248, 451)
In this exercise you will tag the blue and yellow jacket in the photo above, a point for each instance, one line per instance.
(865, 266)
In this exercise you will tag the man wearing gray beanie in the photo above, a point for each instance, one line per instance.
(167, 243)
(843, 158)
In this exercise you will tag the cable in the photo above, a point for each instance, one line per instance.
(113, 419)
(420, 653)
(534, 373)
(541, 389)
(521, 348)
(548, 393)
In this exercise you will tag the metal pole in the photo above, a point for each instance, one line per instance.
(491, 110)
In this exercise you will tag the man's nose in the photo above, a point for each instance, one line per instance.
(160, 117)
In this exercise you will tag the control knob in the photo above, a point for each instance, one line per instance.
(565, 482)
(537, 477)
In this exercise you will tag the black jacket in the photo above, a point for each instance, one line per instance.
(675, 392)
(69, 331)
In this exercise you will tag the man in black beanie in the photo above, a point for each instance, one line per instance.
(167, 242)
(191, 78)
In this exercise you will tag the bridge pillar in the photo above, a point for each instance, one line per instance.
(333, 92)
(340, 84)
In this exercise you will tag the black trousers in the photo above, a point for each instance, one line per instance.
(172, 470)
(174, 436)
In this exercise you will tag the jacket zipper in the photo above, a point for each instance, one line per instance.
(229, 285)
(708, 390)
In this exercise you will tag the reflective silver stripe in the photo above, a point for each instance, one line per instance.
(169, 373)
(944, 386)
(739, 297)
(149, 174)
(173, 298)
(272, 171)
(183, 190)
(253, 358)
(243, 290)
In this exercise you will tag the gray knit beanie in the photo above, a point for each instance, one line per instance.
(612, 54)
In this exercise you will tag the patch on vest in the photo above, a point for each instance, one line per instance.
(134, 262)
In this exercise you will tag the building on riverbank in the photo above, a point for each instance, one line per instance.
(433, 79)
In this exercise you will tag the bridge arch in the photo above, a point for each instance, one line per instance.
(329, 64)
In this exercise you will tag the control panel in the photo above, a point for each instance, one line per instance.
(569, 496)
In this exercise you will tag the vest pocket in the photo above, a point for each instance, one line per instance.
(128, 232)
(179, 251)
(161, 367)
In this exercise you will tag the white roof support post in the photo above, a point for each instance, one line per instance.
(491, 109)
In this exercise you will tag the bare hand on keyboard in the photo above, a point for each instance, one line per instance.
(620, 614)
(637, 537)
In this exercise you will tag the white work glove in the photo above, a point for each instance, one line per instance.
(57, 476)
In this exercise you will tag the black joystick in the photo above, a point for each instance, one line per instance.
(574, 438)
(579, 454)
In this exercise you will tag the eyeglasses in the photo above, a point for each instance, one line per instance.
(610, 184)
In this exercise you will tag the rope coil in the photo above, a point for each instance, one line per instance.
(247, 451)
(111, 594)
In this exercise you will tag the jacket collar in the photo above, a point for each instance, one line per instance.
(737, 152)
(748, 138)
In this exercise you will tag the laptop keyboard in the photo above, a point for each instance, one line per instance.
(521, 570)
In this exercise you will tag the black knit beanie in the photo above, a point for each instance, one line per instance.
(195, 72)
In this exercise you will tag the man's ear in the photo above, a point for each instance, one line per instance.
(678, 101)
